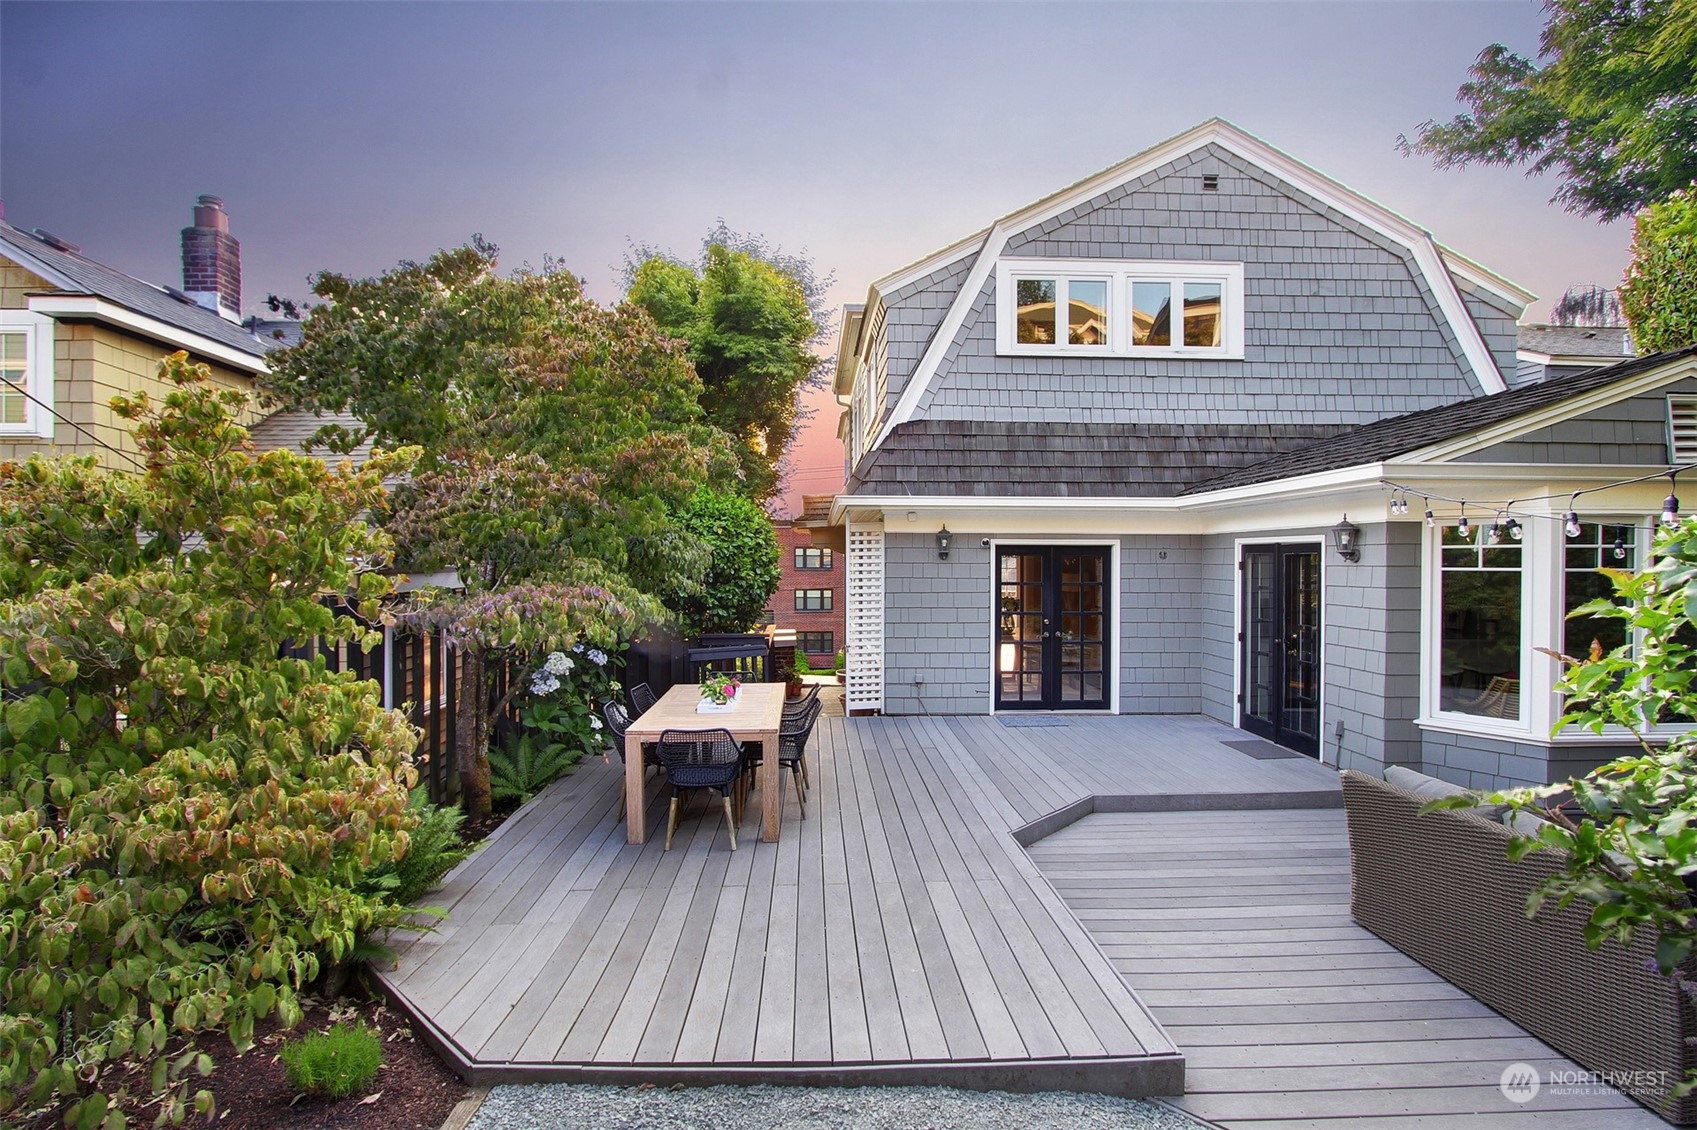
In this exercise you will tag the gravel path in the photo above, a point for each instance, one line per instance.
(569, 1107)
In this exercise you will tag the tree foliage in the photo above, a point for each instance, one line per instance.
(1611, 107)
(1630, 830)
(1659, 293)
(750, 316)
(186, 816)
(743, 573)
(558, 438)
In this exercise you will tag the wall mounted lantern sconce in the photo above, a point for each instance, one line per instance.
(1346, 539)
(943, 539)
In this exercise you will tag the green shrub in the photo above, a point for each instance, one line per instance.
(336, 1063)
(434, 849)
(524, 767)
(185, 812)
(841, 664)
(802, 666)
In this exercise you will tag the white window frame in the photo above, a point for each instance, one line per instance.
(1536, 678)
(1543, 596)
(38, 373)
(1119, 275)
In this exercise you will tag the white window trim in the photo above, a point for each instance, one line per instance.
(1119, 275)
(38, 377)
(1542, 622)
(1534, 548)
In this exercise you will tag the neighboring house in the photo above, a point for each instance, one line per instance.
(1552, 351)
(1098, 449)
(810, 593)
(74, 333)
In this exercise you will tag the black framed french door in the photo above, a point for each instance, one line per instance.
(1052, 627)
(1279, 692)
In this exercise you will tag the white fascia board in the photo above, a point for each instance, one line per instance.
(100, 310)
(1362, 209)
(36, 267)
(1534, 356)
(1566, 409)
(913, 272)
(1484, 278)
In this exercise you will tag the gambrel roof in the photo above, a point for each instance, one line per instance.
(1441, 272)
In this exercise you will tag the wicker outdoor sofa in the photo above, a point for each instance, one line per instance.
(1440, 888)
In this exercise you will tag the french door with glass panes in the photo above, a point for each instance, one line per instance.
(1052, 646)
(1279, 698)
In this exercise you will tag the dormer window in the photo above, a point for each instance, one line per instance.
(1053, 307)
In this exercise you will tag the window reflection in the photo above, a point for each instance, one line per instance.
(1151, 313)
(1202, 314)
(1087, 312)
(1036, 317)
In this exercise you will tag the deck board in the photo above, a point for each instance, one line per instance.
(1288, 1013)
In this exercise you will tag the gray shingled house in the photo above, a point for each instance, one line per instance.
(1101, 453)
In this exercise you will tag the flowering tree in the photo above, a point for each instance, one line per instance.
(185, 816)
(559, 438)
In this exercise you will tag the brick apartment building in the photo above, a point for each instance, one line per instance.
(810, 596)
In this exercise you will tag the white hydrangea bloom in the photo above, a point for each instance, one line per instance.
(544, 684)
(558, 663)
(594, 722)
(598, 657)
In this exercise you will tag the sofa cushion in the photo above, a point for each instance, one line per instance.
(1433, 788)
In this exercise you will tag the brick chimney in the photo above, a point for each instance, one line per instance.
(212, 260)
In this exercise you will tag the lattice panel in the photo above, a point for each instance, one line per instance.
(864, 675)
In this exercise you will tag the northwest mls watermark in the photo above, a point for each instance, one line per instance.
(1521, 1083)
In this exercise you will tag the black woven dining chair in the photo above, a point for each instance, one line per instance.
(792, 749)
(642, 699)
(617, 721)
(700, 759)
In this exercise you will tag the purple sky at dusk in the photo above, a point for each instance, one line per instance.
(350, 136)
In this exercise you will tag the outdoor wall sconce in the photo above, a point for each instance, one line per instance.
(943, 539)
(1346, 539)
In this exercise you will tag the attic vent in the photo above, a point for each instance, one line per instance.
(1682, 429)
(54, 241)
(1210, 182)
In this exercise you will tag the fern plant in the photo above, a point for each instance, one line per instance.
(522, 768)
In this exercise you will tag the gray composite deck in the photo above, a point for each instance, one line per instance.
(899, 931)
(1234, 928)
(1152, 936)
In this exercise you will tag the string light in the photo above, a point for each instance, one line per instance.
(1573, 527)
(1512, 525)
(1620, 543)
(1461, 528)
(1431, 519)
(1670, 505)
(1506, 522)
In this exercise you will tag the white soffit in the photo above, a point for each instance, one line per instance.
(1434, 263)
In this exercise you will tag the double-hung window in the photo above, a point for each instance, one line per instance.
(813, 600)
(26, 374)
(1481, 650)
(1105, 308)
(812, 558)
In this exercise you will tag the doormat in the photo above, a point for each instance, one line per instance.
(1261, 750)
(1023, 723)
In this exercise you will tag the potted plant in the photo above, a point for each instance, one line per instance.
(790, 674)
(718, 692)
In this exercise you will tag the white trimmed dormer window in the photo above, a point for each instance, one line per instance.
(1090, 307)
(26, 374)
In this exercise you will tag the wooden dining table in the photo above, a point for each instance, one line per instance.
(757, 717)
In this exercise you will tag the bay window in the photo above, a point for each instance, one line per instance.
(1480, 617)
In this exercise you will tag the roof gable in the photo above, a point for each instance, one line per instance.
(1438, 267)
(78, 275)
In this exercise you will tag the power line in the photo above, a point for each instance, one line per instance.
(31, 397)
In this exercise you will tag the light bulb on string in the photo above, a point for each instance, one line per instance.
(1573, 527)
(1511, 525)
(1462, 529)
(1620, 543)
(1670, 505)
(1431, 519)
